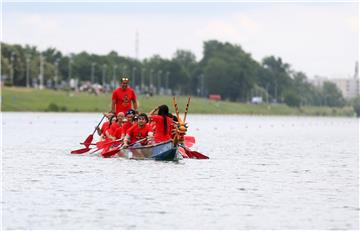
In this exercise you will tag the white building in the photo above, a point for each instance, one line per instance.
(349, 87)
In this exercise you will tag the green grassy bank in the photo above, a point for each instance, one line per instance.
(23, 99)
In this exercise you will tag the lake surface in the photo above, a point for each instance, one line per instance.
(263, 173)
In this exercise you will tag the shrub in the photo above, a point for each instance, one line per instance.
(63, 108)
(52, 107)
(292, 100)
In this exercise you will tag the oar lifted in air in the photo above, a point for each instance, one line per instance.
(90, 138)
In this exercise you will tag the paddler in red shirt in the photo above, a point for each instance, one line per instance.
(116, 128)
(130, 117)
(105, 126)
(139, 131)
(122, 97)
(163, 121)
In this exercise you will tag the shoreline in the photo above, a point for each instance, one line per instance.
(21, 99)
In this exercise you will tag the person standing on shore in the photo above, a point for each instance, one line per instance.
(123, 98)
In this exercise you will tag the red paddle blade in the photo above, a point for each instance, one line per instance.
(198, 155)
(107, 143)
(110, 153)
(80, 151)
(189, 141)
(88, 140)
(183, 152)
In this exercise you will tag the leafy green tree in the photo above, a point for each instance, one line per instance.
(356, 105)
(332, 95)
(292, 99)
(228, 70)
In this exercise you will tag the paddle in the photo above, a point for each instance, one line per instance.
(116, 150)
(189, 141)
(102, 144)
(80, 151)
(193, 154)
(89, 139)
(88, 143)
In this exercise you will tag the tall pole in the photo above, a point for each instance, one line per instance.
(103, 75)
(41, 75)
(137, 45)
(158, 81)
(92, 72)
(143, 71)
(133, 82)
(69, 74)
(151, 80)
(114, 76)
(202, 85)
(125, 70)
(56, 78)
(267, 93)
(27, 70)
(276, 92)
(167, 82)
(12, 58)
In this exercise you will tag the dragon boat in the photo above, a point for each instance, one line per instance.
(159, 151)
(175, 149)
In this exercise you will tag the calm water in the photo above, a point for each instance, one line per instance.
(264, 173)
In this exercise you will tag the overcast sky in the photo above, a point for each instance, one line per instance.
(316, 38)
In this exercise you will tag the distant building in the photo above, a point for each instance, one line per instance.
(349, 87)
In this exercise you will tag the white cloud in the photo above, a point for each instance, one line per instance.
(318, 39)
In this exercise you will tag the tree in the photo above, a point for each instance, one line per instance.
(292, 99)
(228, 70)
(331, 95)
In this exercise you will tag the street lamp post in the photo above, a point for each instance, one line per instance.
(41, 74)
(151, 80)
(114, 76)
(93, 72)
(133, 82)
(167, 82)
(56, 78)
(103, 74)
(276, 92)
(202, 85)
(69, 74)
(267, 93)
(12, 58)
(27, 70)
(142, 77)
(158, 81)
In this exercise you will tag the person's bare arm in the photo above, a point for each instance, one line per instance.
(152, 112)
(135, 104)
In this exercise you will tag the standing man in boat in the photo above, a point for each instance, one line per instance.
(123, 97)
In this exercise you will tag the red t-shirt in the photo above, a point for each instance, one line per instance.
(123, 99)
(113, 128)
(105, 126)
(126, 126)
(136, 133)
(159, 134)
(118, 132)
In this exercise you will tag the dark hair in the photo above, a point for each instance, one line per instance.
(164, 112)
(130, 111)
(143, 115)
(111, 118)
(174, 118)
